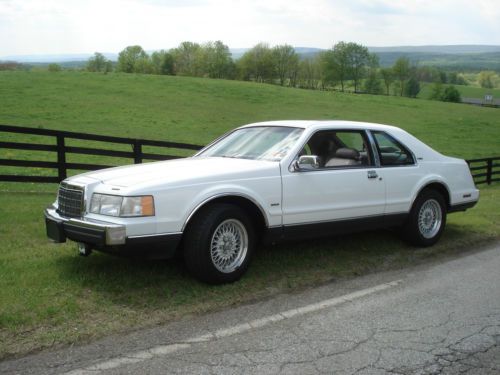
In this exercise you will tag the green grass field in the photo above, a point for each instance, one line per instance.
(465, 91)
(198, 110)
(50, 296)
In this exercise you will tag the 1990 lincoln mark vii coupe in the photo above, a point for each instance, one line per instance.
(267, 181)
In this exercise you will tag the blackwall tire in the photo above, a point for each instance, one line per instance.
(219, 244)
(427, 219)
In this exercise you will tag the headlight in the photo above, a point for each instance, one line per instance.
(114, 205)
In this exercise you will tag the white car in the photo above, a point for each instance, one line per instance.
(268, 181)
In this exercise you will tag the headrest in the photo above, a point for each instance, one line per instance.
(347, 153)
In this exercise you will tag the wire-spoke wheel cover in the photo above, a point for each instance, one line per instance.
(229, 246)
(430, 218)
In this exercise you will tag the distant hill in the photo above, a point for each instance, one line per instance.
(445, 49)
(447, 61)
(55, 58)
(448, 57)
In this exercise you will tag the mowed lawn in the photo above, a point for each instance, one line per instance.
(49, 296)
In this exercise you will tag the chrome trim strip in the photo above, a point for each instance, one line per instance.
(190, 216)
(155, 235)
(346, 219)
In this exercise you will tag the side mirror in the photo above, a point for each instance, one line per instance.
(307, 163)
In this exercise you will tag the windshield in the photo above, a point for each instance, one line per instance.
(257, 143)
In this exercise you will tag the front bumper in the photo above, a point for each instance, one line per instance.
(110, 238)
(93, 232)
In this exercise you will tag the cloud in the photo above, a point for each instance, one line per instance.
(71, 26)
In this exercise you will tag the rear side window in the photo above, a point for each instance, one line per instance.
(391, 152)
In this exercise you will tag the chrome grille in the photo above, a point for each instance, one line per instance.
(70, 200)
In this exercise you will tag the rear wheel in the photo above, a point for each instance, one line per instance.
(427, 219)
(219, 244)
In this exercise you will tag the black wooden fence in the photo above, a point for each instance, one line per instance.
(62, 149)
(484, 171)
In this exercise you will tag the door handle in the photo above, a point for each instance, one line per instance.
(372, 174)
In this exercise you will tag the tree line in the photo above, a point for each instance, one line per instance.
(346, 66)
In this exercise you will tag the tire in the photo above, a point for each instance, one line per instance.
(427, 219)
(219, 244)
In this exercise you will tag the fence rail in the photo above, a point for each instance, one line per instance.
(484, 171)
(61, 149)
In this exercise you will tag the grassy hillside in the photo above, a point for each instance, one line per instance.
(50, 297)
(198, 110)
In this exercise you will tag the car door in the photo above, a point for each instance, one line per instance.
(345, 186)
(400, 171)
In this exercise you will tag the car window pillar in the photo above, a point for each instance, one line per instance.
(373, 149)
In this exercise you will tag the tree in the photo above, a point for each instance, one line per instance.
(188, 59)
(143, 65)
(217, 60)
(427, 74)
(285, 61)
(401, 69)
(11, 65)
(337, 64)
(372, 83)
(412, 87)
(451, 94)
(346, 61)
(437, 91)
(98, 63)
(54, 68)
(162, 62)
(443, 77)
(132, 60)
(487, 79)
(358, 59)
(456, 79)
(329, 69)
(388, 78)
(257, 64)
(309, 73)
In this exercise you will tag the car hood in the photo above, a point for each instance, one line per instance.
(181, 171)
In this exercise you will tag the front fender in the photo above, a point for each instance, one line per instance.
(177, 205)
(268, 212)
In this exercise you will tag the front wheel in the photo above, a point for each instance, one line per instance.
(427, 219)
(219, 244)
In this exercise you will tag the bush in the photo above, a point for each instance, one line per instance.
(451, 94)
(54, 68)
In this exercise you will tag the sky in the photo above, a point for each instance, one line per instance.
(31, 27)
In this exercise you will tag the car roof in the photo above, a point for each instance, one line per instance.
(321, 124)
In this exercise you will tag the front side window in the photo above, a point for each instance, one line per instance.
(339, 149)
(391, 152)
(257, 143)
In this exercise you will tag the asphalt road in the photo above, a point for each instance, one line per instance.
(441, 318)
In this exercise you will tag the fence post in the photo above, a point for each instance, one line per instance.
(61, 158)
(489, 171)
(137, 151)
